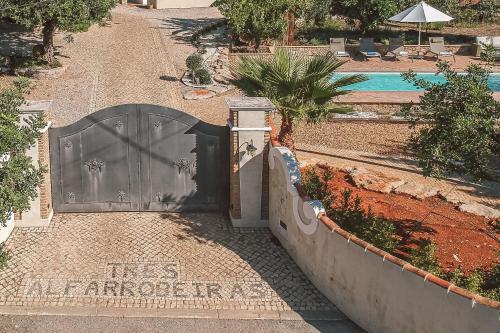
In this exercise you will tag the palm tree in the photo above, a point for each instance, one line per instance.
(301, 87)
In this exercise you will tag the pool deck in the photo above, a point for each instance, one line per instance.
(428, 64)
(386, 97)
(399, 97)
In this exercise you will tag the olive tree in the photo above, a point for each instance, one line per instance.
(460, 123)
(65, 15)
(255, 20)
(19, 178)
(369, 14)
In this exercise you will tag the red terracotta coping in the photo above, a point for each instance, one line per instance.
(331, 225)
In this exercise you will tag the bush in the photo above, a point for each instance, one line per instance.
(194, 62)
(461, 134)
(424, 257)
(349, 214)
(478, 282)
(374, 230)
(203, 76)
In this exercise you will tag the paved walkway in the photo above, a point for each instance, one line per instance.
(64, 324)
(153, 261)
(456, 190)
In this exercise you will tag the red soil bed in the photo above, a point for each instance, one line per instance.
(462, 239)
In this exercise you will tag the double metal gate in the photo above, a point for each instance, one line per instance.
(139, 158)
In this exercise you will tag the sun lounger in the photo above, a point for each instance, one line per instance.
(367, 48)
(397, 48)
(337, 47)
(438, 48)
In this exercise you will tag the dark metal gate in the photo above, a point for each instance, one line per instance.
(139, 158)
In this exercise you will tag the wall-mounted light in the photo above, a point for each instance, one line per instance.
(250, 149)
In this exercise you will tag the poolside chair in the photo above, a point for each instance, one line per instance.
(438, 48)
(337, 47)
(367, 48)
(397, 48)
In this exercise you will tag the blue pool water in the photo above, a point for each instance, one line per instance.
(394, 82)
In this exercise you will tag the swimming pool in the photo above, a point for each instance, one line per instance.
(394, 81)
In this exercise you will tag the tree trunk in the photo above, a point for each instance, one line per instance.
(291, 27)
(286, 134)
(48, 31)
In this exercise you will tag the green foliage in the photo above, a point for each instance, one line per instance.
(461, 134)
(256, 20)
(488, 54)
(478, 282)
(375, 230)
(424, 257)
(194, 62)
(315, 11)
(203, 76)
(300, 87)
(348, 213)
(19, 179)
(369, 14)
(485, 11)
(65, 15)
(315, 184)
(4, 257)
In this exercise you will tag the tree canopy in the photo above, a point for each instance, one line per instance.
(66, 15)
(462, 133)
(19, 178)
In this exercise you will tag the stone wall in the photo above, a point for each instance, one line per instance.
(378, 291)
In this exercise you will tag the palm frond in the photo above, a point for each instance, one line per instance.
(300, 86)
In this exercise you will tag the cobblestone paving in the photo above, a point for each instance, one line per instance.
(150, 260)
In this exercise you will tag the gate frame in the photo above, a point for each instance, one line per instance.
(138, 111)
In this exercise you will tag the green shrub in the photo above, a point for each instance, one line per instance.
(478, 282)
(349, 214)
(194, 62)
(203, 76)
(374, 230)
(424, 257)
(4, 257)
(315, 42)
(462, 117)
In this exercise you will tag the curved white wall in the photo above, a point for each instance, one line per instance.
(378, 294)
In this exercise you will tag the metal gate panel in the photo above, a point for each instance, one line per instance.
(184, 163)
(140, 158)
(94, 162)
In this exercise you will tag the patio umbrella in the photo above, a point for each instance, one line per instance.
(421, 13)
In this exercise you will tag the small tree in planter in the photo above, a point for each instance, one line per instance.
(462, 132)
(194, 64)
(19, 178)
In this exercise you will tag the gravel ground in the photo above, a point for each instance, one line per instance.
(380, 138)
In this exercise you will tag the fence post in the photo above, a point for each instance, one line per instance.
(250, 131)
(41, 210)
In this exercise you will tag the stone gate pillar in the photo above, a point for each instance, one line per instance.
(249, 182)
(41, 210)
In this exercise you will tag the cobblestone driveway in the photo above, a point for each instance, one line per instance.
(151, 260)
